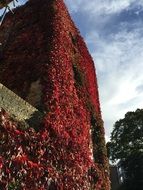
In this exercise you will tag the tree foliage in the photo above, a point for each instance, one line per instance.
(127, 136)
(127, 146)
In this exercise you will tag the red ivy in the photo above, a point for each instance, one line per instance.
(57, 156)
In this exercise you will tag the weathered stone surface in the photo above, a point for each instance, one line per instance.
(35, 94)
(19, 108)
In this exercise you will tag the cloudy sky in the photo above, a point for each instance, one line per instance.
(113, 31)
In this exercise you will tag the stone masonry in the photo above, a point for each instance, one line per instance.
(18, 108)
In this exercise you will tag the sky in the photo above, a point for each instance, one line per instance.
(113, 31)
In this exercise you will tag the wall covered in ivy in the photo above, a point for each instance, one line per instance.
(67, 150)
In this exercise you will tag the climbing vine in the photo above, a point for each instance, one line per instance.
(58, 155)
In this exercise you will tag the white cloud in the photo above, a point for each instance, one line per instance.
(107, 139)
(118, 56)
(119, 64)
(101, 6)
(74, 5)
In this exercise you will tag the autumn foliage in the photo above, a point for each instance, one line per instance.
(67, 151)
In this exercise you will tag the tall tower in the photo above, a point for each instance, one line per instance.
(46, 63)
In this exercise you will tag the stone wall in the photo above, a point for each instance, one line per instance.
(19, 108)
(35, 94)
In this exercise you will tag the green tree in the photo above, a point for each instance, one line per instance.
(127, 146)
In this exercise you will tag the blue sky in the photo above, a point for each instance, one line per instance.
(113, 31)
